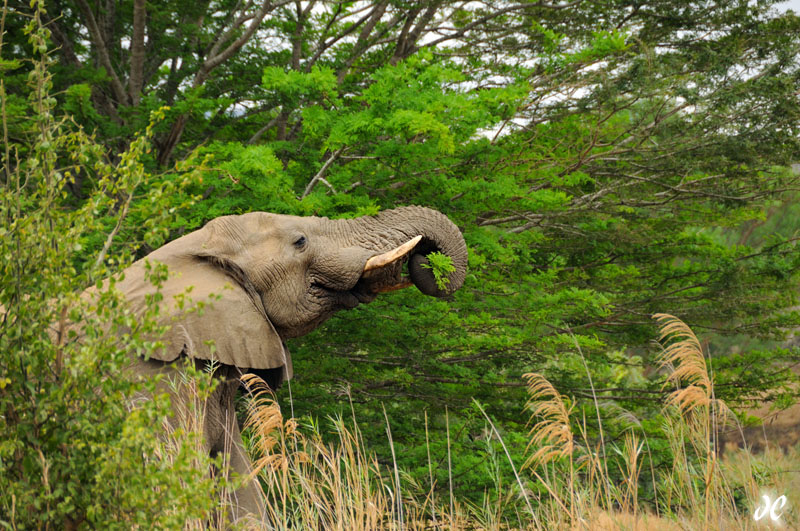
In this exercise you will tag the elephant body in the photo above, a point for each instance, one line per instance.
(247, 283)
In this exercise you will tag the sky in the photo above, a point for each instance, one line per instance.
(794, 5)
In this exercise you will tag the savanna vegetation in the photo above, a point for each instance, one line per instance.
(606, 161)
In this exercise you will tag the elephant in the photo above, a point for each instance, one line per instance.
(265, 278)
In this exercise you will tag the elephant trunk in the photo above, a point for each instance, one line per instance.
(392, 228)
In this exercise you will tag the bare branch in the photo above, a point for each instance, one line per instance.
(211, 62)
(270, 125)
(214, 47)
(297, 37)
(410, 46)
(323, 35)
(319, 177)
(361, 43)
(215, 59)
(111, 235)
(102, 51)
(494, 14)
(63, 42)
(399, 51)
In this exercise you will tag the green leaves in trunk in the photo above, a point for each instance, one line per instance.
(441, 265)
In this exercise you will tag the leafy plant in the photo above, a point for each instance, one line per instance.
(73, 450)
(441, 265)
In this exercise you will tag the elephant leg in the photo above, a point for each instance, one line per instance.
(247, 502)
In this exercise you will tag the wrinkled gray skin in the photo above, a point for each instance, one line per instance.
(276, 277)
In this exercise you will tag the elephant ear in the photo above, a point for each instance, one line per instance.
(202, 304)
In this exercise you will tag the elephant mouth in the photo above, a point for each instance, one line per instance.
(381, 273)
(346, 299)
(384, 272)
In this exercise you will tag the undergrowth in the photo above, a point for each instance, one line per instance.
(569, 480)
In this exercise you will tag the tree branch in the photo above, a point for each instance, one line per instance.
(102, 52)
(63, 42)
(411, 42)
(111, 235)
(270, 125)
(297, 37)
(215, 58)
(361, 45)
(319, 177)
(402, 39)
(494, 14)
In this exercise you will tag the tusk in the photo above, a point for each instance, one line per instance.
(395, 254)
(403, 284)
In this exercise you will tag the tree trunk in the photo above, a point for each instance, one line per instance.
(137, 52)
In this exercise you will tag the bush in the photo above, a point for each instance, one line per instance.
(72, 449)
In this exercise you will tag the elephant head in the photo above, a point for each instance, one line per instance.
(262, 278)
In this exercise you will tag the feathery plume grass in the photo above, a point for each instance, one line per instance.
(699, 414)
(552, 435)
(682, 350)
(265, 419)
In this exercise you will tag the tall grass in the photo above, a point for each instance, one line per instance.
(695, 417)
(570, 479)
(311, 484)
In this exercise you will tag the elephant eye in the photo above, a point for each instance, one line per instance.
(300, 242)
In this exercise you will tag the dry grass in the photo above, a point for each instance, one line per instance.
(552, 435)
(696, 420)
(583, 482)
(318, 485)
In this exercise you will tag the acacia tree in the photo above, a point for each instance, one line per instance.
(206, 57)
(596, 155)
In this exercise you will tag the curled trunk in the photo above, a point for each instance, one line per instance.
(392, 228)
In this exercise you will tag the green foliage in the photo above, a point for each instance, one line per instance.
(291, 86)
(604, 161)
(441, 265)
(72, 451)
